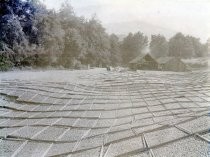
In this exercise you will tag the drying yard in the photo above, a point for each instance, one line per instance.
(96, 113)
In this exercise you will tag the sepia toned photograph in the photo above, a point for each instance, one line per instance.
(104, 78)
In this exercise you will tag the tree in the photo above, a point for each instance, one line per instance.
(186, 46)
(132, 46)
(199, 49)
(98, 44)
(158, 46)
(18, 30)
(116, 57)
(50, 37)
(73, 47)
(176, 45)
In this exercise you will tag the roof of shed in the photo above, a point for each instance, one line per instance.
(140, 58)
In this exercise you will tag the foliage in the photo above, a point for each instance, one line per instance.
(5, 63)
(116, 57)
(133, 45)
(158, 46)
(31, 35)
(18, 30)
(186, 46)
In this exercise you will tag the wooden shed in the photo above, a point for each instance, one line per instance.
(171, 64)
(143, 62)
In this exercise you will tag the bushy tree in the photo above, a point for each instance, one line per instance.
(97, 42)
(18, 30)
(73, 47)
(158, 46)
(186, 46)
(176, 45)
(50, 37)
(116, 57)
(199, 49)
(132, 46)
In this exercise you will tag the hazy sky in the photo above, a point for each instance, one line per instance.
(150, 16)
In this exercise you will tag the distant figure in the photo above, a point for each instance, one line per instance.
(108, 68)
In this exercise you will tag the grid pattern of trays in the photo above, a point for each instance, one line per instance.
(112, 114)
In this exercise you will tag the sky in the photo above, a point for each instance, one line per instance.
(165, 17)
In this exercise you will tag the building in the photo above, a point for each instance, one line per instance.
(171, 64)
(143, 62)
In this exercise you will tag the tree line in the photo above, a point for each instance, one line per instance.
(31, 35)
(178, 46)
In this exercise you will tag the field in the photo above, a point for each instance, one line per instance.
(99, 113)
